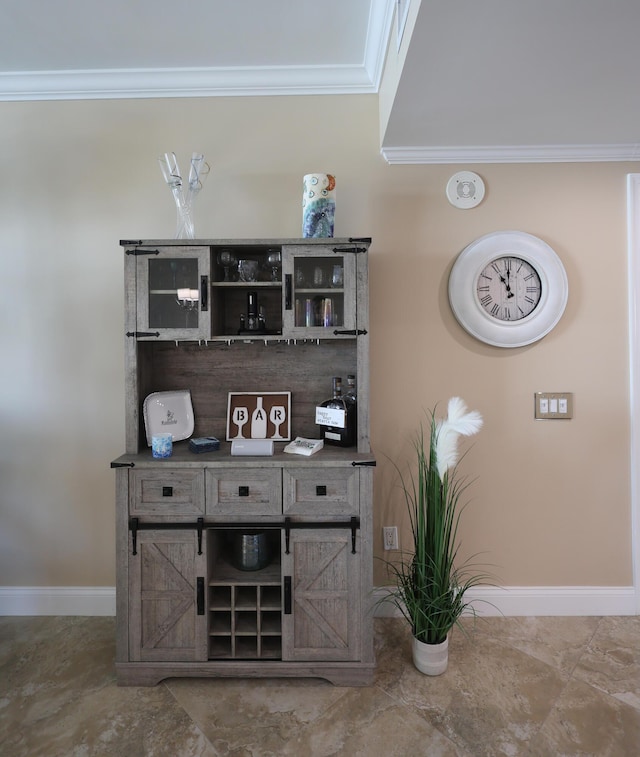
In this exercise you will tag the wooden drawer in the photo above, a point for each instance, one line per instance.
(319, 492)
(169, 492)
(243, 493)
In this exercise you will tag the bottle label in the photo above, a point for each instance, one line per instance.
(330, 416)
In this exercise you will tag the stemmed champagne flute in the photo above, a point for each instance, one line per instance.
(198, 172)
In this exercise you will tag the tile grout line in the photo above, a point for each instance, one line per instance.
(191, 720)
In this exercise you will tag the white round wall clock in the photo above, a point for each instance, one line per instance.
(508, 289)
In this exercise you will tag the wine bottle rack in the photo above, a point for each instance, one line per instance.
(245, 621)
(245, 611)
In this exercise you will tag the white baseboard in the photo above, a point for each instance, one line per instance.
(488, 601)
(539, 600)
(57, 600)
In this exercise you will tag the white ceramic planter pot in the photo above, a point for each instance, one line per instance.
(430, 659)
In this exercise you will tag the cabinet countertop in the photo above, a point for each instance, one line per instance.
(182, 457)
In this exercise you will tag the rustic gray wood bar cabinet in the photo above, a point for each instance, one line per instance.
(208, 319)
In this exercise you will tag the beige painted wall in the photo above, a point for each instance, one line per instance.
(551, 503)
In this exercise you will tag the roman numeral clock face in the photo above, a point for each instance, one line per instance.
(509, 288)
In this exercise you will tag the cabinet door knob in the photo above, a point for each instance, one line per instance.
(321, 490)
(167, 491)
(243, 491)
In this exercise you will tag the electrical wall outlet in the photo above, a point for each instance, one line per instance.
(390, 537)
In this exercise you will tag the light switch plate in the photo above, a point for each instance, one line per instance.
(553, 406)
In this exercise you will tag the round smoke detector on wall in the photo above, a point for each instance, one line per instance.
(465, 189)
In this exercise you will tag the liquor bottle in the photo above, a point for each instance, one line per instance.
(351, 398)
(335, 417)
(259, 421)
(351, 389)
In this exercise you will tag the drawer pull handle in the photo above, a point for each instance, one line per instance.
(321, 490)
(243, 491)
(167, 491)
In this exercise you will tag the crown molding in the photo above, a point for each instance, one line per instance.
(184, 82)
(245, 81)
(592, 153)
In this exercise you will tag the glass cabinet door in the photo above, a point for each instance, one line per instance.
(319, 292)
(173, 293)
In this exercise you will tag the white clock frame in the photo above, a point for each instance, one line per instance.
(463, 296)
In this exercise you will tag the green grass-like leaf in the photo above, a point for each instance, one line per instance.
(430, 588)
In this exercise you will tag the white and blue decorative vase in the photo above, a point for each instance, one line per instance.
(318, 205)
(162, 445)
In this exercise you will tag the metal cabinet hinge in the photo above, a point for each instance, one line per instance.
(351, 332)
(141, 251)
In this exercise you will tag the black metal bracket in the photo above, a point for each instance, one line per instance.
(200, 524)
(353, 523)
(364, 463)
(139, 251)
(135, 526)
(123, 465)
(349, 249)
(140, 334)
(352, 332)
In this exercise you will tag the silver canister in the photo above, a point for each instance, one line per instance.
(251, 550)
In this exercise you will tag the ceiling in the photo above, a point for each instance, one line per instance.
(490, 81)
(69, 49)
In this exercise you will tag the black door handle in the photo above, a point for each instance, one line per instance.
(287, 595)
(200, 595)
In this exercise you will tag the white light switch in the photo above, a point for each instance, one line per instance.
(553, 406)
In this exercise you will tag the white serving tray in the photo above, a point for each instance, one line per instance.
(168, 413)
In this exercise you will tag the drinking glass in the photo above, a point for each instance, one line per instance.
(226, 259)
(248, 270)
(274, 259)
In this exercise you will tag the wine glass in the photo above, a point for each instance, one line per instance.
(240, 418)
(277, 416)
(274, 259)
(226, 259)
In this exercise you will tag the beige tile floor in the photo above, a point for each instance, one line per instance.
(539, 687)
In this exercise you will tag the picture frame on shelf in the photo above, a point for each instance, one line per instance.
(259, 415)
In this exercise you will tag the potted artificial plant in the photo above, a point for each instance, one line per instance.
(430, 586)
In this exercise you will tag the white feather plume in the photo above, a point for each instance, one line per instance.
(458, 422)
